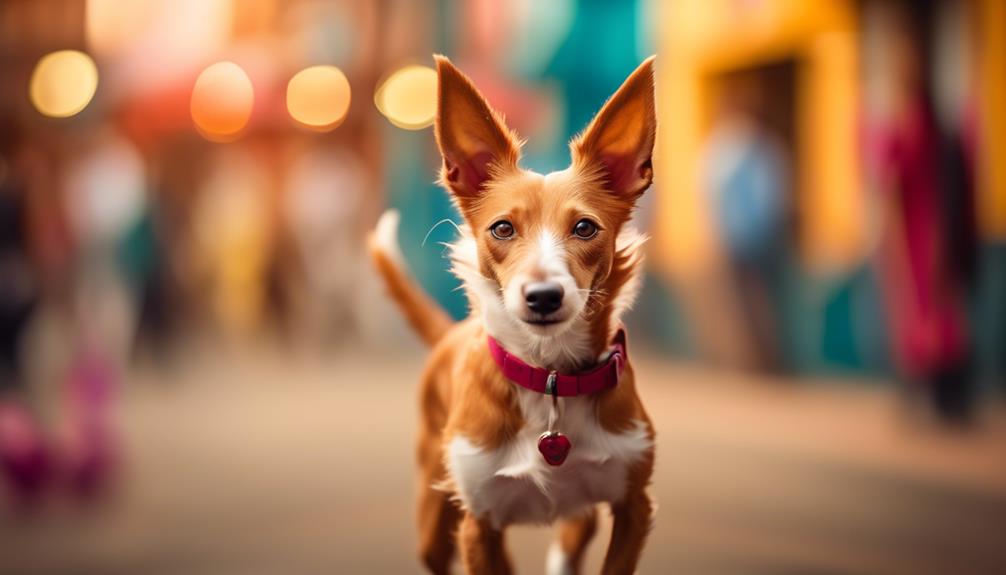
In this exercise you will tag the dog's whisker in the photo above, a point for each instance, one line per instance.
(437, 225)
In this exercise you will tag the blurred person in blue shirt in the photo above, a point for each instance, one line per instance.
(746, 172)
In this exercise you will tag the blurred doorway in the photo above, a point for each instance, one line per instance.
(748, 167)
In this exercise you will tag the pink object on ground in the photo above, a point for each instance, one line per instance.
(88, 455)
(24, 459)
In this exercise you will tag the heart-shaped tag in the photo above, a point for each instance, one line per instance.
(554, 447)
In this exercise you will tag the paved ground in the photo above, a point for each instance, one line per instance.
(252, 463)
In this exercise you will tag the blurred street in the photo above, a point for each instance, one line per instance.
(254, 461)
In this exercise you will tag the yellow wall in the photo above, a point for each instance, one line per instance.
(992, 108)
(701, 38)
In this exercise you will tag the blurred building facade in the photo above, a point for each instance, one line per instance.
(822, 72)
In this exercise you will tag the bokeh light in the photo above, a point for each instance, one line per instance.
(408, 98)
(63, 83)
(222, 101)
(318, 97)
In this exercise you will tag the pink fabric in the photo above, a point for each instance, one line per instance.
(926, 312)
(605, 376)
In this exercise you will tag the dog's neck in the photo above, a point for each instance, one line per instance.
(584, 343)
(567, 352)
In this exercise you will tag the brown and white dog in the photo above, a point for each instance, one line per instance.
(549, 265)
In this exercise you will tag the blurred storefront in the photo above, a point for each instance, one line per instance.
(817, 73)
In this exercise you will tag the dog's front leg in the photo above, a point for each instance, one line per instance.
(482, 550)
(632, 519)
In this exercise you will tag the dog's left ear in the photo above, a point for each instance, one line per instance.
(619, 140)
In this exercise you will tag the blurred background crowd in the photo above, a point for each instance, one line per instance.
(184, 180)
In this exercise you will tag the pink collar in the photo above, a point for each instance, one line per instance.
(602, 377)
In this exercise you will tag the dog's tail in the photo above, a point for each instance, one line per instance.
(429, 320)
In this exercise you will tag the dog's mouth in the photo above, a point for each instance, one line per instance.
(543, 321)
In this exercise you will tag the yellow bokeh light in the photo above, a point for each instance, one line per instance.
(318, 97)
(63, 83)
(222, 101)
(408, 98)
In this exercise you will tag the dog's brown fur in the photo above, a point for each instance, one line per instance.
(463, 392)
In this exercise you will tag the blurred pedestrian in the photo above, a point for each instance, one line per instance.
(922, 267)
(746, 170)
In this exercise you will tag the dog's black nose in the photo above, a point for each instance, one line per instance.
(543, 297)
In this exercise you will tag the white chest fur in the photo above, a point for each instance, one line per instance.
(514, 484)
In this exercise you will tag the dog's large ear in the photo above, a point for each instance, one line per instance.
(619, 140)
(474, 141)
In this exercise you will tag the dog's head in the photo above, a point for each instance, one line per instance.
(547, 245)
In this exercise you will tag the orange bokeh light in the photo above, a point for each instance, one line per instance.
(318, 97)
(222, 101)
(408, 97)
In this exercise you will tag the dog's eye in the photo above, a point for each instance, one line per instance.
(502, 230)
(585, 229)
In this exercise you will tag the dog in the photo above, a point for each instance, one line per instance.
(528, 408)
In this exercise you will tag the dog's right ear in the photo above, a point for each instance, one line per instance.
(474, 141)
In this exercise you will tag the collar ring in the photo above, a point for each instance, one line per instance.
(551, 387)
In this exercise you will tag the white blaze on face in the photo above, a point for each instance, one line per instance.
(551, 257)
